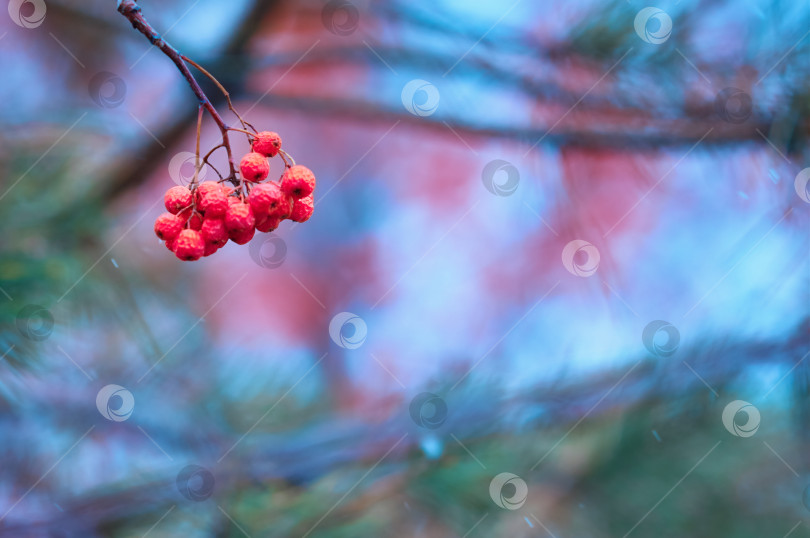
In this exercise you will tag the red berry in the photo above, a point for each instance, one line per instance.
(267, 200)
(268, 224)
(212, 201)
(170, 243)
(168, 226)
(302, 209)
(254, 167)
(210, 249)
(298, 181)
(189, 245)
(176, 199)
(214, 232)
(285, 210)
(267, 143)
(239, 217)
(205, 187)
(242, 237)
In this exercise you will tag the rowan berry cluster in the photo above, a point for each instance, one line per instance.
(202, 217)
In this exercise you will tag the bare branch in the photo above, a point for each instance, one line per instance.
(132, 11)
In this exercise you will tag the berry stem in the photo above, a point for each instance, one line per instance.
(132, 11)
(285, 156)
(205, 160)
(197, 164)
(253, 135)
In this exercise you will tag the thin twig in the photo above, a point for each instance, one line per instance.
(285, 156)
(224, 92)
(250, 135)
(197, 164)
(214, 168)
(131, 10)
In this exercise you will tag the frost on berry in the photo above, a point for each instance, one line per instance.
(189, 245)
(214, 232)
(203, 217)
(268, 224)
(298, 181)
(176, 199)
(302, 209)
(168, 226)
(211, 200)
(239, 217)
(243, 236)
(254, 167)
(267, 143)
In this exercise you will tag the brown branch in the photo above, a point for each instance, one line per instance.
(131, 10)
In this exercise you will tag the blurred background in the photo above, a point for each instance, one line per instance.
(556, 282)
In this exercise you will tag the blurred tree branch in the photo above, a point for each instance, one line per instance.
(314, 450)
(650, 134)
(646, 130)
